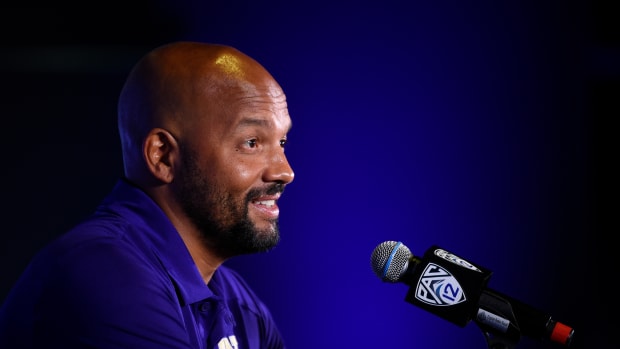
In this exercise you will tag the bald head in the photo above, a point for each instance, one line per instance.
(175, 86)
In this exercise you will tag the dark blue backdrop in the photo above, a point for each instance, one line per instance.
(475, 126)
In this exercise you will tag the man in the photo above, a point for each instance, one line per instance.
(203, 129)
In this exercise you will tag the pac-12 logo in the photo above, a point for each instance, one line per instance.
(438, 287)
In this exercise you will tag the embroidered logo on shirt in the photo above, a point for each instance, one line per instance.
(229, 342)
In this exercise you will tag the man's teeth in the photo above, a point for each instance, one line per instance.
(266, 202)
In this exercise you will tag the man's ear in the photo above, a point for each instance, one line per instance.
(160, 153)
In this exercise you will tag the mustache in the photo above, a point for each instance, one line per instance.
(275, 189)
(270, 190)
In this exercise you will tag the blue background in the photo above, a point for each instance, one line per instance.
(483, 127)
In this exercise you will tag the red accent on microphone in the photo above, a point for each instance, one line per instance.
(561, 333)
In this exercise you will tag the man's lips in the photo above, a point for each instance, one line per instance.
(267, 205)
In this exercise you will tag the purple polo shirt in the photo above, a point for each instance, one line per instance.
(123, 278)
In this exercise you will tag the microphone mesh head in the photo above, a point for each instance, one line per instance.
(390, 260)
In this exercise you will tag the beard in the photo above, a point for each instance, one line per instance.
(223, 220)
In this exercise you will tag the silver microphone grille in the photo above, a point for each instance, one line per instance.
(390, 260)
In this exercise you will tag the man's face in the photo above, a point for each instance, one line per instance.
(234, 170)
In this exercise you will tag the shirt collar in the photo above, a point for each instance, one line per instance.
(134, 205)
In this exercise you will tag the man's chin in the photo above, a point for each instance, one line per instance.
(267, 240)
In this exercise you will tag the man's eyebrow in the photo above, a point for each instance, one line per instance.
(251, 121)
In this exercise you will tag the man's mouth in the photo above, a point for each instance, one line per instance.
(267, 206)
(268, 203)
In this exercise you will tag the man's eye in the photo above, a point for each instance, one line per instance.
(283, 142)
(251, 143)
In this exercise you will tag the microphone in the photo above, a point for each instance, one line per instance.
(455, 289)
